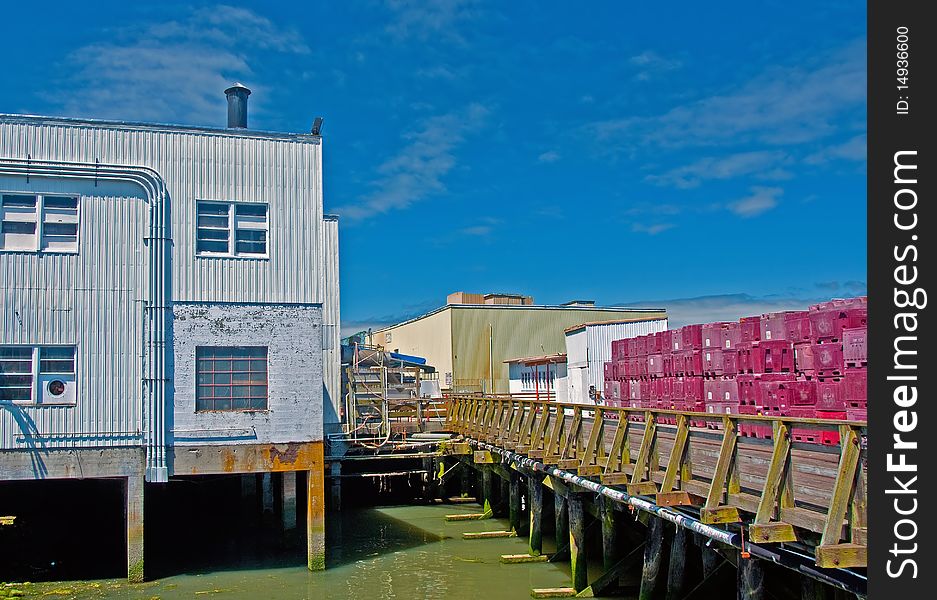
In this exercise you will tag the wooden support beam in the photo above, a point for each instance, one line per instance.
(577, 543)
(677, 455)
(655, 550)
(561, 524)
(751, 579)
(643, 461)
(843, 489)
(483, 457)
(677, 571)
(778, 474)
(487, 490)
(842, 556)
(611, 553)
(711, 513)
(535, 498)
(619, 454)
(514, 507)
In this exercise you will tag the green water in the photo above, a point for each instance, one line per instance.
(377, 553)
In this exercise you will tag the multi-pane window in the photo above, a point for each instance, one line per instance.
(231, 229)
(38, 222)
(231, 378)
(37, 374)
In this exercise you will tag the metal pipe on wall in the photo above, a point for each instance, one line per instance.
(158, 306)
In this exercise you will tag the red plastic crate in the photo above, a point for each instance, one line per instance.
(773, 326)
(655, 365)
(624, 389)
(616, 349)
(724, 335)
(758, 430)
(804, 433)
(797, 325)
(828, 324)
(612, 389)
(801, 393)
(857, 414)
(693, 389)
(645, 386)
(855, 349)
(634, 389)
(721, 390)
(744, 358)
(691, 337)
(771, 393)
(772, 356)
(750, 329)
(678, 387)
(803, 359)
(653, 343)
(609, 370)
(828, 359)
(666, 341)
(830, 438)
(667, 362)
(691, 361)
(855, 388)
(720, 362)
(640, 346)
(830, 395)
(666, 388)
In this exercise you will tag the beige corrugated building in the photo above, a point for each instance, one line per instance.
(469, 339)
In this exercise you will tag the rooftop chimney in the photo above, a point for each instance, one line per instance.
(237, 106)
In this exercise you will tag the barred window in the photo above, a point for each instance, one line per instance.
(231, 229)
(231, 378)
(38, 223)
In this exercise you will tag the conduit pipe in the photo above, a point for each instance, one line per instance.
(847, 580)
(158, 306)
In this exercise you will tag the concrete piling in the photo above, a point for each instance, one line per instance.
(288, 500)
(577, 542)
(535, 500)
(315, 519)
(133, 507)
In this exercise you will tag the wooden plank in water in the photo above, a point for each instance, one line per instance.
(469, 516)
(512, 559)
(564, 592)
(487, 535)
(461, 500)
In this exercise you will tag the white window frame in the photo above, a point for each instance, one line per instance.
(40, 217)
(36, 374)
(232, 228)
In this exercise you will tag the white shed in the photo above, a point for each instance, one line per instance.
(589, 347)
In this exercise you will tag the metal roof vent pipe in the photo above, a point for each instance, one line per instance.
(237, 106)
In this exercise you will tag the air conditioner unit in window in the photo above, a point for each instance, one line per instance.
(57, 388)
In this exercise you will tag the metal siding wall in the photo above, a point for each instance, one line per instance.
(599, 343)
(518, 332)
(577, 354)
(208, 165)
(331, 319)
(93, 299)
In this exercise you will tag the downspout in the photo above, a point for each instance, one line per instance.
(158, 307)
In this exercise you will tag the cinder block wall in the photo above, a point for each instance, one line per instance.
(292, 334)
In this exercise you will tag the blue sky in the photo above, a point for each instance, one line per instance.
(711, 160)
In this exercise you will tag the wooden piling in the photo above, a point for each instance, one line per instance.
(654, 550)
(315, 512)
(751, 579)
(577, 542)
(811, 589)
(677, 569)
(561, 523)
(514, 507)
(611, 552)
(504, 499)
(487, 490)
(288, 500)
(535, 499)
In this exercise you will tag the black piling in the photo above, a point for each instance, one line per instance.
(535, 501)
(577, 542)
(751, 579)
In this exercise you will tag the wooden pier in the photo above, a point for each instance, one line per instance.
(758, 498)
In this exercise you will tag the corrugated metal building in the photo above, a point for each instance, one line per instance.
(170, 295)
(468, 343)
(589, 347)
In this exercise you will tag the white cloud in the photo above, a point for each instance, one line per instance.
(425, 19)
(782, 105)
(173, 70)
(652, 229)
(722, 167)
(853, 149)
(762, 199)
(416, 172)
(651, 63)
(549, 156)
